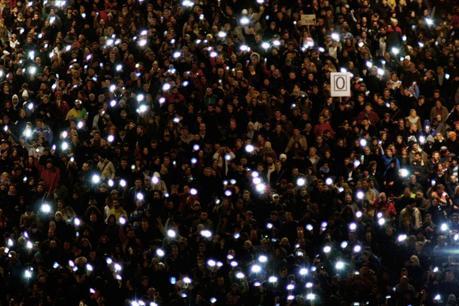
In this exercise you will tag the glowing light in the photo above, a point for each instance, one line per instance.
(142, 42)
(358, 214)
(89, 267)
(142, 109)
(339, 265)
(244, 20)
(166, 86)
(265, 45)
(403, 172)
(206, 234)
(110, 138)
(193, 191)
(369, 64)
(380, 71)
(95, 179)
(329, 181)
(160, 253)
(240, 275)
(139, 196)
(444, 227)
(356, 163)
(353, 227)
(171, 233)
(28, 274)
(123, 183)
(221, 34)
(119, 67)
(76, 222)
(357, 248)
(187, 3)
(381, 221)
(249, 148)
(29, 245)
(429, 21)
(303, 271)
(255, 268)
(334, 36)
(402, 237)
(45, 208)
(300, 182)
(344, 244)
(363, 142)
(272, 279)
(262, 258)
(360, 195)
(244, 48)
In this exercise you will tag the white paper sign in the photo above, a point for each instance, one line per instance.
(340, 84)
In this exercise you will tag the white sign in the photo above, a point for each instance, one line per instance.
(340, 84)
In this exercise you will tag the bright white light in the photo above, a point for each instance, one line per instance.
(249, 148)
(166, 86)
(358, 214)
(329, 181)
(444, 227)
(142, 42)
(402, 237)
(265, 45)
(300, 182)
(244, 20)
(276, 43)
(369, 64)
(356, 163)
(269, 226)
(380, 71)
(310, 296)
(395, 50)
(77, 222)
(422, 139)
(171, 233)
(435, 269)
(176, 54)
(272, 279)
(404, 37)
(309, 227)
(447, 76)
(344, 244)
(437, 297)
(244, 48)
(55, 265)
(206, 233)
(117, 267)
(290, 287)
(352, 227)
(303, 271)
(327, 249)
(255, 268)
(29, 245)
(109, 261)
(213, 300)
(45, 208)
(123, 183)
(187, 3)
(211, 263)
(357, 248)
(228, 193)
(335, 36)
(262, 258)
(27, 274)
(360, 195)
(213, 54)
(193, 191)
(10, 242)
(240, 275)
(429, 21)
(194, 160)
(403, 172)
(381, 221)
(160, 253)
(142, 108)
(339, 265)
(110, 138)
(89, 267)
(260, 188)
(95, 179)
(119, 67)
(221, 34)
(363, 142)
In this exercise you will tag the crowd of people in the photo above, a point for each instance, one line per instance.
(189, 152)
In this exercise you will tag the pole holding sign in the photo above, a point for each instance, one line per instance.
(340, 83)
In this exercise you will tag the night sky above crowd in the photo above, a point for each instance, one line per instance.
(190, 153)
